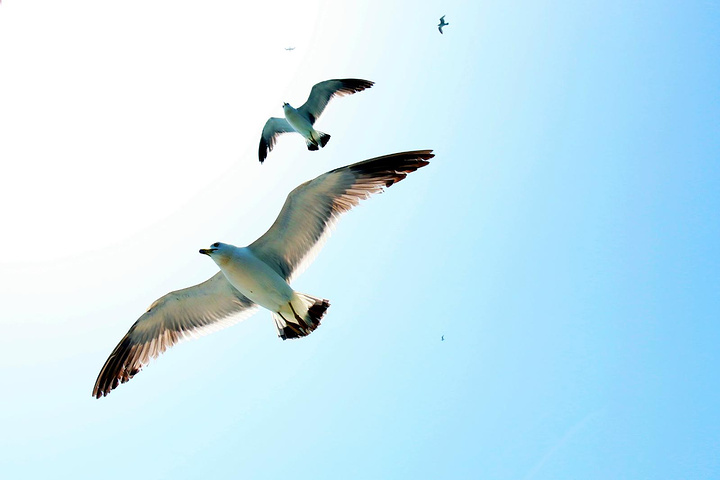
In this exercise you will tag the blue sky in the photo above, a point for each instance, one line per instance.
(564, 239)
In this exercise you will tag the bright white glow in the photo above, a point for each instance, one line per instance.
(110, 125)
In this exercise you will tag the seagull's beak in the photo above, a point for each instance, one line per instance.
(207, 251)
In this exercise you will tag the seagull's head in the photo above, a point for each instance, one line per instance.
(215, 248)
(286, 106)
(221, 253)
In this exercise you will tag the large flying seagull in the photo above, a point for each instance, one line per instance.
(258, 274)
(301, 120)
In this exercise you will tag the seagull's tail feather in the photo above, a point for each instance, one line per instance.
(317, 140)
(301, 316)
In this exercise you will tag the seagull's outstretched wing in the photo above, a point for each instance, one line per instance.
(310, 210)
(322, 92)
(190, 312)
(273, 127)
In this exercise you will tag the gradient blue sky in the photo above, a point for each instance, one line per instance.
(564, 240)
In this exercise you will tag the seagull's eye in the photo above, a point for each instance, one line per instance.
(216, 244)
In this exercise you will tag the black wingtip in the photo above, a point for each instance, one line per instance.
(114, 370)
(354, 85)
(262, 150)
(394, 167)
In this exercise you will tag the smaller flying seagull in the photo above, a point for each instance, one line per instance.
(301, 120)
(442, 23)
(289, 48)
(260, 274)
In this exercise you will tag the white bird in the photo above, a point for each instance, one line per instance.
(301, 120)
(289, 49)
(442, 23)
(258, 274)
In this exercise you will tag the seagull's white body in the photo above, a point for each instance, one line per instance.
(302, 119)
(259, 274)
(253, 277)
(295, 314)
(301, 124)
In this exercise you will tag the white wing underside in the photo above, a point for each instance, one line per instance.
(180, 315)
(311, 210)
(322, 92)
(273, 128)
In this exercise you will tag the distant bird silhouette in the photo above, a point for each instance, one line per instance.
(442, 339)
(442, 23)
(301, 120)
(289, 48)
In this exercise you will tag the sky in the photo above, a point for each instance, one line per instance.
(564, 241)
